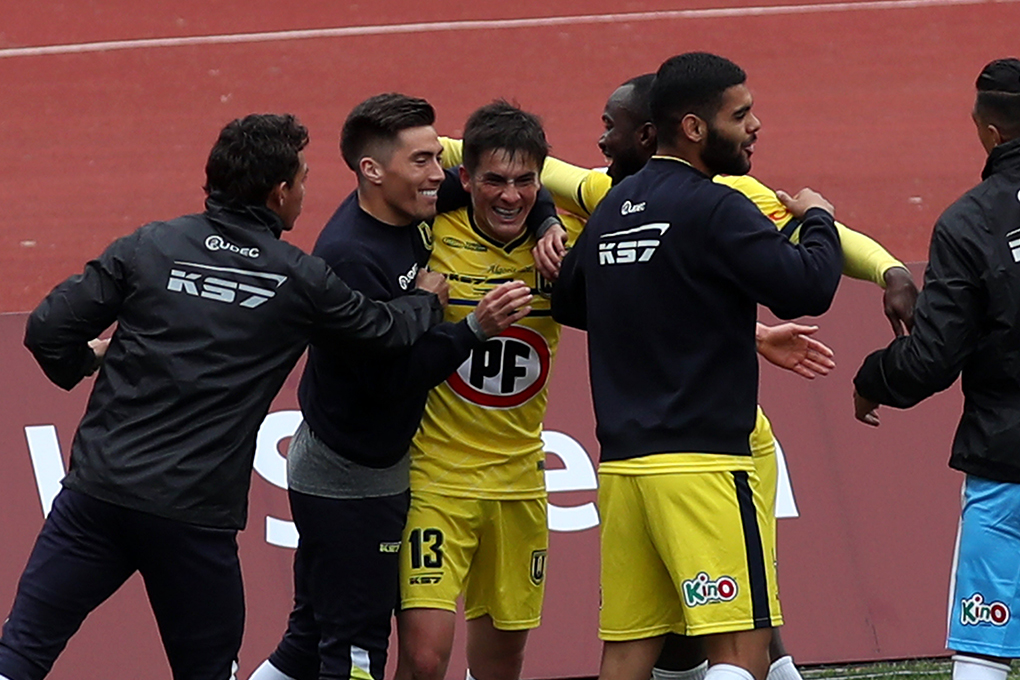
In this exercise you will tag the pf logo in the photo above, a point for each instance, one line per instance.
(506, 371)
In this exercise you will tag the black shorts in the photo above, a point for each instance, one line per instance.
(346, 585)
(88, 548)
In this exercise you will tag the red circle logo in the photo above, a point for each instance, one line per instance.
(506, 371)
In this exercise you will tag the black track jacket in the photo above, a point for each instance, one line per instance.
(666, 278)
(967, 320)
(212, 313)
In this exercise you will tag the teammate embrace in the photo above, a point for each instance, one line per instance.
(417, 476)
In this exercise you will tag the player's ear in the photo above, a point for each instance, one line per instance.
(276, 196)
(465, 178)
(647, 137)
(694, 128)
(371, 169)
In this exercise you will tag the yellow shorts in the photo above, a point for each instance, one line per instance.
(763, 451)
(687, 553)
(492, 551)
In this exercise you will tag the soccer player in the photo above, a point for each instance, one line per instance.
(212, 313)
(674, 266)
(968, 321)
(628, 142)
(347, 466)
(478, 522)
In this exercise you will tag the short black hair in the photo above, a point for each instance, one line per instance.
(639, 102)
(998, 96)
(375, 123)
(501, 125)
(252, 155)
(693, 82)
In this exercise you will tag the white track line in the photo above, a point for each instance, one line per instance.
(480, 25)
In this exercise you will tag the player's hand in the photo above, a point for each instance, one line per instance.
(804, 201)
(788, 346)
(550, 251)
(503, 306)
(98, 347)
(899, 299)
(434, 282)
(865, 410)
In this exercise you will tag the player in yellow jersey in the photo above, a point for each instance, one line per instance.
(628, 142)
(478, 525)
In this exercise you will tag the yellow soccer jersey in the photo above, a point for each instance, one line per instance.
(480, 436)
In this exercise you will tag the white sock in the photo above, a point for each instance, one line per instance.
(972, 668)
(725, 671)
(783, 669)
(268, 671)
(696, 673)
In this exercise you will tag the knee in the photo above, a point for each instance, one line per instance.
(426, 662)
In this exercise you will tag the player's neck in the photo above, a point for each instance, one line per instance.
(373, 203)
(688, 154)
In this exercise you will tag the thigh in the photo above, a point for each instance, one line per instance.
(507, 577)
(986, 592)
(351, 553)
(193, 580)
(78, 561)
(639, 599)
(708, 529)
(439, 546)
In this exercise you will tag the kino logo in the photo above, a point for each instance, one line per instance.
(702, 590)
(975, 611)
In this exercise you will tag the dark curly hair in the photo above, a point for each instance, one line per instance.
(252, 155)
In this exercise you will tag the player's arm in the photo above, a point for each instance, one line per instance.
(59, 331)
(792, 280)
(451, 194)
(863, 257)
(340, 314)
(569, 297)
(866, 259)
(576, 190)
(453, 152)
(946, 328)
(445, 347)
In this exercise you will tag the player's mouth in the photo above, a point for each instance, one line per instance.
(429, 194)
(748, 146)
(507, 214)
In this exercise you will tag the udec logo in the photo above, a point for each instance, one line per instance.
(703, 590)
(975, 610)
(506, 371)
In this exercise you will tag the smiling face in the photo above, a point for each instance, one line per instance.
(621, 143)
(503, 191)
(729, 144)
(408, 175)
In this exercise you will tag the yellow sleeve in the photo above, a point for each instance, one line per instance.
(863, 257)
(453, 151)
(576, 190)
(763, 197)
(574, 226)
